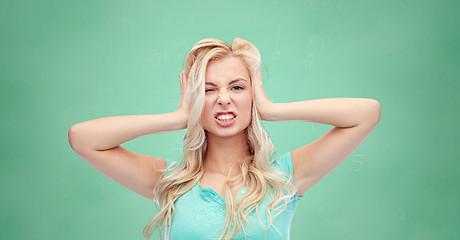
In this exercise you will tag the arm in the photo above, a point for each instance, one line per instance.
(353, 118)
(339, 112)
(109, 132)
(98, 143)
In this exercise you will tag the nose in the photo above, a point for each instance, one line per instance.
(224, 98)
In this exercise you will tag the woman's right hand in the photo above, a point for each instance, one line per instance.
(183, 108)
(98, 142)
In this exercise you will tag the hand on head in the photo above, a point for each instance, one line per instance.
(261, 99)
(185, 85)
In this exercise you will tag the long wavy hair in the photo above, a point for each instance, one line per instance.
(257, 171)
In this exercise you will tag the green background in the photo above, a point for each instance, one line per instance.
(65, 62)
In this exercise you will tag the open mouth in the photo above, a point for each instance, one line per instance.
(225, 117)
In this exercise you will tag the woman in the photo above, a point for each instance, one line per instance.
(226, 186)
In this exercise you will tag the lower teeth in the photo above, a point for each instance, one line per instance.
(225, 120)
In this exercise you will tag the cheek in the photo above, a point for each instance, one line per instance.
(207, 109)
(249, 100)
(207, 106)
(247, 103)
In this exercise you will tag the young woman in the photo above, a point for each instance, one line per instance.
(227, 186)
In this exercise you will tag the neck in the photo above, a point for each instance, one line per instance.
(223, 155)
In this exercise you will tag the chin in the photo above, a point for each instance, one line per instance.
(225, 133)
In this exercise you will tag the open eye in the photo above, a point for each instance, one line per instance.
(237, 88)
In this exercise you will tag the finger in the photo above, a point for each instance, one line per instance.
(258, 77)
(182, 79)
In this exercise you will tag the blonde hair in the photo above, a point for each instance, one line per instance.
(257, 171)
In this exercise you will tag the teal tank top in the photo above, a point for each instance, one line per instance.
(200, 213)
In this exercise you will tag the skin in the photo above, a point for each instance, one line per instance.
(227, 88)
(98, 141)
(353, 120)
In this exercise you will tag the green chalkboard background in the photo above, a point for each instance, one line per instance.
(65, 62)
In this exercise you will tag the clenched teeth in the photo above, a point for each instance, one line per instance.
(225, 117)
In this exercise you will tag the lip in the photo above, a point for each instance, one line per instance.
(220, 113)
(227, 123)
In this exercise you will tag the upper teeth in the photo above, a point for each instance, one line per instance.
(225, 117)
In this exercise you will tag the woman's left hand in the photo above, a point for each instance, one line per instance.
(263, 104)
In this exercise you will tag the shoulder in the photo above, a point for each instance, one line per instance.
(170, 164)
(284, 163)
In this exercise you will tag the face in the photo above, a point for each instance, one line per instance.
(228, 98)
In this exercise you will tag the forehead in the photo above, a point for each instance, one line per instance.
(226, 69)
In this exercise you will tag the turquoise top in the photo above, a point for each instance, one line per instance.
(200, 213)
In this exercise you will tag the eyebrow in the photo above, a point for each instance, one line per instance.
(230, 83)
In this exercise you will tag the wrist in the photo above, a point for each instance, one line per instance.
(268, 111)
(182, 118)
